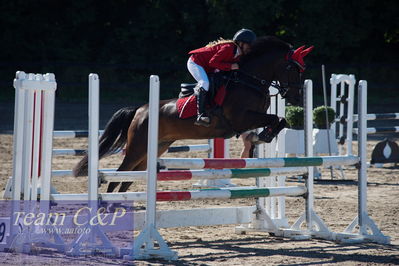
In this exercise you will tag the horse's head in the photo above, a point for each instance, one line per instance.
(274, 60)
(288, 73)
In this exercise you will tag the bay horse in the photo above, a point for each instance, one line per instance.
(244, 108)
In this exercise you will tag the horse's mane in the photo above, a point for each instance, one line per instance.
(265, 44)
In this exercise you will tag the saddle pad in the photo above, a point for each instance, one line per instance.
(187, 107)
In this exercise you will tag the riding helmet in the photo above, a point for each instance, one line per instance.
(245, 35)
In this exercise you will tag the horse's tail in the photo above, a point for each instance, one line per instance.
(113, 138)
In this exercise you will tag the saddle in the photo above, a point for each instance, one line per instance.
(186, 104)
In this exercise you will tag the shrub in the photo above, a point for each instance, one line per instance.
(319, 116)
(294, 117)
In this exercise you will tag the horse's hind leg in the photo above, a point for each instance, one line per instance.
(136, 148)
(162, 147)
(133, 158)
(125, 185)
(132, 162)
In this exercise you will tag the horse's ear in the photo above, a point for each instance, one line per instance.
(299, 50)
(300, 53)
(297, 55)
(308, 50)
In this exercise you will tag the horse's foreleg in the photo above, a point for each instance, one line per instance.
(272, 124)
(268, 134)
(132, 160)
(140, 167)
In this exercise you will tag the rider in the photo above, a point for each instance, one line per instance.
(218, 55)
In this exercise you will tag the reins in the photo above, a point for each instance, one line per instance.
(256, 83)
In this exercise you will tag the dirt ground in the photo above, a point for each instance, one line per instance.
(335, 202)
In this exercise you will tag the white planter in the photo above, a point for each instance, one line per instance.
(294, 141)
(320, 141)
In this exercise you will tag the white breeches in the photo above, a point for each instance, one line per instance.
(199, 74)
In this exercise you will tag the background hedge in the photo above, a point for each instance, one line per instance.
(125, 41)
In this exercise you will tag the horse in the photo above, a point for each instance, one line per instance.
(244, 108)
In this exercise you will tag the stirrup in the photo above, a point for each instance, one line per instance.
(202, 121)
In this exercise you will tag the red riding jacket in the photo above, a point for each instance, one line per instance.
(220, 56)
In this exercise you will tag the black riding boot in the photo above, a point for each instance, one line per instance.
(202, 117)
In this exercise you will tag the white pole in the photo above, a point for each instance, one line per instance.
(87, 243)
(308, 103)
(143, 246)
(323, 74)
(18, 148)
(18, 138)
(271, 152)
(152, 152)
(93, 163)
(362, 146)
(212, 148)
(281, 153)
(28, 134)
(47, 141)
(94, 84)
(350, 102)
(333, 98)
(36, 140)
(226, 150)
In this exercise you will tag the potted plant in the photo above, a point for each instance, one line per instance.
(294, 117)
(322, 133)
(294, 135)
(319, 116)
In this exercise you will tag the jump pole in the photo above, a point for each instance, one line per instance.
(209, 174)
(198, 163)
(382, 116)
(201, 194)
(172, 149)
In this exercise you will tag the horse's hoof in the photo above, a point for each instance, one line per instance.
(266, 135)
(269, 139)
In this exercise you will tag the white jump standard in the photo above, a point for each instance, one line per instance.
(343, 107)
(149, 243)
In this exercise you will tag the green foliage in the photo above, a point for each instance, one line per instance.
(294, 116)
(319, 116)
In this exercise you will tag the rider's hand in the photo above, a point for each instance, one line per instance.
(234, 66)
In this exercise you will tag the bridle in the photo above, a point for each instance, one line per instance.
(262, 85)
(283, 87)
